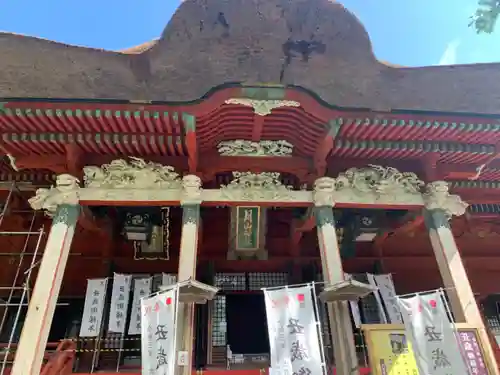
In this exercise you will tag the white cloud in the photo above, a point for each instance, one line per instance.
(449, 56)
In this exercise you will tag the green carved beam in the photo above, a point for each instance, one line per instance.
(278, 93)
(428, 146)
(116, 138)
(477, 184)
(458, 126)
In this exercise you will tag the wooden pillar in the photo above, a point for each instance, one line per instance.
(35, 333)
(187, 270)
(346, 361)
(458, 288)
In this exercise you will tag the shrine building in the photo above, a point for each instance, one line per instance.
(254, 144)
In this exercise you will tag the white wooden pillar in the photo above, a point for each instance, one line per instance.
(35, 333)
(346, 361)
(460, 294)
(187, 270)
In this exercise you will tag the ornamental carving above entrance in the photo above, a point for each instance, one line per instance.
(133, 174)
(139, 181)
(240, 147)
(263, 107)
(247, 186)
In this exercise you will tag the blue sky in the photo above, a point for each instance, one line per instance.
(421, 32)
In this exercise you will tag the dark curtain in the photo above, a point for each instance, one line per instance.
(247, 324)
(201, 341)
(63, 318)
(201, 336)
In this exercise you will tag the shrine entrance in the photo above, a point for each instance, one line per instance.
(145, 184)
(247, 334)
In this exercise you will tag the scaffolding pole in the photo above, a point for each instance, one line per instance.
(19, 233)
(5, 206)
(16, 276)
(27, 304)
(19, 308)
(25, 288)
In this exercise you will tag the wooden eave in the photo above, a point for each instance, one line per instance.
(46, 128)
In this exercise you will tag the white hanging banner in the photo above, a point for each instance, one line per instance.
(158, 333)
(356, 315)
(142, 289)
(388, 293)
(381, 312)
(434, 340)
(94, 307)
(168, 279)
(119, 303)
(293, 331)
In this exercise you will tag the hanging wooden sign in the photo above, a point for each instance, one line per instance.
(247, 232)
(247, 228)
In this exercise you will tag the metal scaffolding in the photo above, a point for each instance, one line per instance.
(18, 296)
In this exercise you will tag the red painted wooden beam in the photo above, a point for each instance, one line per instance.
(89, 222)
(258, 126)
(191, 141)
(320, 162)
(429, 163)
(404, 227)
(324, 148)
(210, 165)
(74, 160)
(54, 163)
(298, 228)
(478, 195)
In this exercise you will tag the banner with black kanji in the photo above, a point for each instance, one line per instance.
(432, 335)
(142, 289)
(158, 333)
(293, 331)
(93, 309)
(119, 303)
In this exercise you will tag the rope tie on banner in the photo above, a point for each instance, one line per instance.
(293, 285)
(78, 350)
(104, 350)
(423, 293)
(103, 340)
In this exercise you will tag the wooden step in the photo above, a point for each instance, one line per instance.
(219, 356)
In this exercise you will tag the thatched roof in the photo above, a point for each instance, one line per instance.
(140, 48)
(316, 44)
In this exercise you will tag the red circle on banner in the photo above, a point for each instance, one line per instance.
(168, 301)
(433, 303)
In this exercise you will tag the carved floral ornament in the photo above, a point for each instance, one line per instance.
(135, 174)
(265, 186)
(242, 147)
(119, 175)
(263, 107)
(138, 180)
(378, 182)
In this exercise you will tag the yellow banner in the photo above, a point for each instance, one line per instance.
(390, 352)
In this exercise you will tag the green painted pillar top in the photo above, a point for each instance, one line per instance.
(66, 214)
(189, 123)
(190, 214)
(324, 216)
(436, 218)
